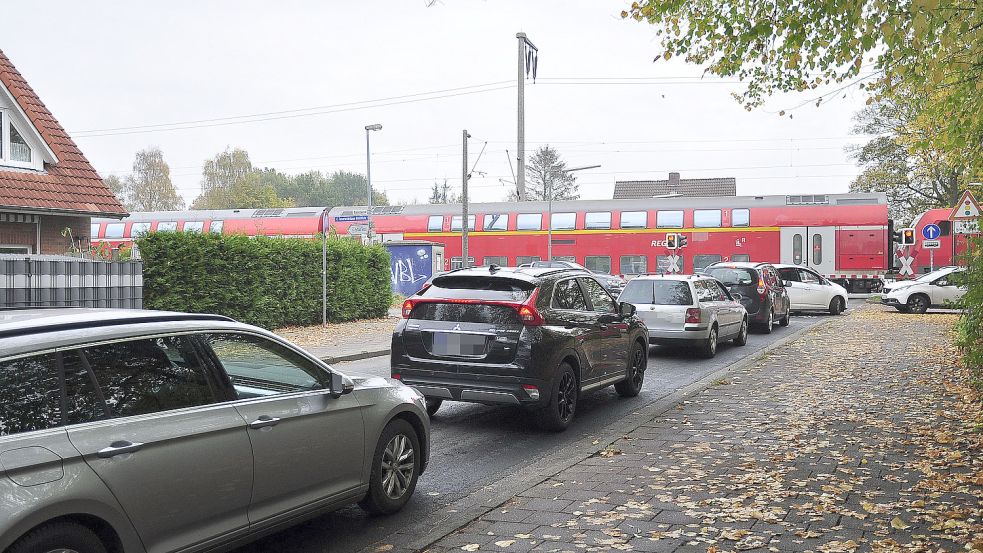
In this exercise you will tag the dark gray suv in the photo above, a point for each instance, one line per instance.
(141, 431)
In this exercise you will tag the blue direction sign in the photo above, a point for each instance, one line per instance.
(931, 232)
(351, 218)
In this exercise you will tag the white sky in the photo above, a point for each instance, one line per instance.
(112, 64)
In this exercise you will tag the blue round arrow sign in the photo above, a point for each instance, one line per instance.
(931, 231)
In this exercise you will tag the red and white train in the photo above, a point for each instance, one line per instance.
(847, 237)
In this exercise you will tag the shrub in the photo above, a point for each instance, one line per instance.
(268, 282)
(970, 327)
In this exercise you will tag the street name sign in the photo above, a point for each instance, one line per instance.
(931, 244)
(931, 231)
(350, 218)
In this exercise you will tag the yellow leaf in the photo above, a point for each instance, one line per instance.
(899, 524)
(471, 547)
(504, 543)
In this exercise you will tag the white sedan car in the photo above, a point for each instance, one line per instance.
(810, 291)
(935, 289)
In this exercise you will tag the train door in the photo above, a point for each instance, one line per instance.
(813, 247)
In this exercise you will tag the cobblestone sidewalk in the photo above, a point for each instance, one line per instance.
(345, 341)
(859, 436)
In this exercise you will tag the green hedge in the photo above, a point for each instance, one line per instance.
(268, 282)
(970, 325)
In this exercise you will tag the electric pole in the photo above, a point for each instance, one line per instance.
(464, 203)
(526, 50)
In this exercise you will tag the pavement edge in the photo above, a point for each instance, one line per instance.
(355, 356)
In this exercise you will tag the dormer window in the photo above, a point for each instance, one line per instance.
(14, 149)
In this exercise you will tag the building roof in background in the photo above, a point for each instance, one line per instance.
(675, 186)
(70, 185)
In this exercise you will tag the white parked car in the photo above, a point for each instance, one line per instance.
(810, 291)
(935, 289)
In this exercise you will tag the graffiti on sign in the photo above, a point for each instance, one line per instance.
(410, 267)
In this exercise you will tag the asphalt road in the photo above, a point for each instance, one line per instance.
(475, 445)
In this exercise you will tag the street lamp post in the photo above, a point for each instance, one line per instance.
(368, 178)
(549, 209)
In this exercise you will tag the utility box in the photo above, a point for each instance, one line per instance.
(412, 263)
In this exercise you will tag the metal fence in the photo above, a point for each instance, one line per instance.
(60, 281)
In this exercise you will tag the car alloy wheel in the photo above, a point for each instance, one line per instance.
(918, 304)
(566, 402)
(710, 346)
(638, 361)
(741, 339)
(398, 465)
(770, 323)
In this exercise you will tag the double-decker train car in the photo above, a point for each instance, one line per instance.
(842, 236)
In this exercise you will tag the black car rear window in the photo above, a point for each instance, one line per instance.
(657, 292)
(479, 288)
(733, 276)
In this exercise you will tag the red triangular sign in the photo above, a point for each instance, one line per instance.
(966, 208)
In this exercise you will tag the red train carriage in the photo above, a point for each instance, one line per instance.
(844, 236)
(952, 243)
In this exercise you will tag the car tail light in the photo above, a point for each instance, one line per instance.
(761, 286)
(531, 390)
(693, 315)
(407, 308)
(528, 313)
(397, 376)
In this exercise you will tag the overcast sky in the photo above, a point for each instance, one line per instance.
(599, 99)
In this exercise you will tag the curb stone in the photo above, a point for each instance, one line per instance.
(419, 536)
(355, 356)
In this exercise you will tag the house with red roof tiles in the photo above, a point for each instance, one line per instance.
(46, 183)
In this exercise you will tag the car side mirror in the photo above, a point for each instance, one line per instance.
(787, 283)
(737, 296)
(626, 309)
(341, 385)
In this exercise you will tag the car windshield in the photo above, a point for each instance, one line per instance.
(657, 292)
(732, 276)
(558, 265)
(933, 275)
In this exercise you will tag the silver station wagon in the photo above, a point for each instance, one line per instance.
(142, 431)
(692, 310)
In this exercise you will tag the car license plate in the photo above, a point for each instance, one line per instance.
(454, 343)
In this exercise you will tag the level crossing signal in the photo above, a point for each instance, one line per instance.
(675, 240)
(905, 237)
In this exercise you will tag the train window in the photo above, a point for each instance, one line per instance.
(497, 222)
(456, 262)
(139, 229)
(797, 249)
(93, 230)
(526, 259)
(706, 218)
(115, 230)
(669, 219)
(216, 227)
(598, 264)
(817, 249)
(563, 221)
(701, 262)
(500, 260)
(570, 258)
(741, 257)
(598, 220)
(740, 218)
(435, 223)
(456, 223)
(194, 226)
(634, 219)
(165, 226)
(634, 265)
(529, 221)
(662, 263)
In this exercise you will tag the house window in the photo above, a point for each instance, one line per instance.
(497, 222)
(14, 149)
(14, 249)
(500, 260)
(165, 226)
(740, 218)
(634, 219)
(598, 264)
(669, 219)
(526, 259)
(435, 223)
(634, 265)
(456, 223)
(563, 221)
(599, 220)
(706, 218)
(19, 150)
(529, 221)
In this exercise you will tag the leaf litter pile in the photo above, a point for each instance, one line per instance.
(863, 435)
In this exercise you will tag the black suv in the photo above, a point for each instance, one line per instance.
(531, 337)
(760, 288)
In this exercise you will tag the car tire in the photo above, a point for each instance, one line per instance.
(557, 415)
(918, 304)
(637, 363)
(709, 348)
(433, 404)
(836, 306)
(741, 339)
(902, 309)
(769, 325)
(390, 487)
(784, 321)
(59, 536)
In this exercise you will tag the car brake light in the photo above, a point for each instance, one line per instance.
(528, 313)
(761, 286)
(407, 308)
(531, 390)
(693, 315)
(397, 376)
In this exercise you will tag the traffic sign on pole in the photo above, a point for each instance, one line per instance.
(966, 208)
(931, 231)
(931, 244)
(906, 265)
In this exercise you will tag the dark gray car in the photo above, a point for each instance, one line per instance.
(141, 431)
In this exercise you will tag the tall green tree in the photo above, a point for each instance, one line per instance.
(442, 194)
(350, 189)
(230, 182)
(148, 187)
(546, 176)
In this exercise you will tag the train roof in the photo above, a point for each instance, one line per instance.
(209, 214)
